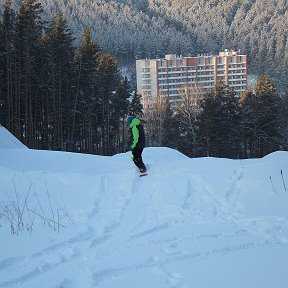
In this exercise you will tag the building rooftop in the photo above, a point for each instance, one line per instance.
(226, 52)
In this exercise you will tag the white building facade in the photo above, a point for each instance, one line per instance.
(169, 76)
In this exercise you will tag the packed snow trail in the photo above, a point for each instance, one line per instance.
(204, 222)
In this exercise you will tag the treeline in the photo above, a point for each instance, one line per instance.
(54, 95)
(220, 123)
(150, 28)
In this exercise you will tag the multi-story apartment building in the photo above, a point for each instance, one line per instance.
(169, 76)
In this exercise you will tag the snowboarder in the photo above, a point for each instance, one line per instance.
(138, 142)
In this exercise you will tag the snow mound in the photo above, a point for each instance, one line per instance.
(204, 222)
(278, 155)
(157, 154)
(163, 154)
(7, 140)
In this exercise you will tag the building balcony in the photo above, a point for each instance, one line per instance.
(236, 84)
(236, 75)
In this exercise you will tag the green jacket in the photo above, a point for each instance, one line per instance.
(137, 134)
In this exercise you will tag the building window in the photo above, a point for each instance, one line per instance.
(145, 70)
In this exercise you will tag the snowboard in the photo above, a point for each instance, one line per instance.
(143, 173)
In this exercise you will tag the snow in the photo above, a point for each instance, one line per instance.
(7, 140)
(204, 222)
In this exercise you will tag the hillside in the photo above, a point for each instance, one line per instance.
(130, 28)
(202, 223)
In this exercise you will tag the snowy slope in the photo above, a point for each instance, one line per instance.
(201, 223)
(7, 140)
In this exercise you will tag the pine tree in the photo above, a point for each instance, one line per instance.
(231, 146)
(260, 117)
(135, 106)
(268, 111)
(43, 109)
(62, 80)
(108, 78)
(28, 33)
(2, 78)
(219, 123)
(84, 109)
(120, 102)
(6, 63)
(209, 130)
(283, 125)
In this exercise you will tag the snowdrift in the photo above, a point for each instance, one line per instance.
(74, 220)
(8, 140)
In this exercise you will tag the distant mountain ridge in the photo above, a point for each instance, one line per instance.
(150, 28)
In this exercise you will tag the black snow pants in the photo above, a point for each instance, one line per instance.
(137, 158)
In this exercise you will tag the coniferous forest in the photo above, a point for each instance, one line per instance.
(151, 28)
(54, 95)
(62, 91)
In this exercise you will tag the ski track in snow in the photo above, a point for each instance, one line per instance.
(133, 221)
